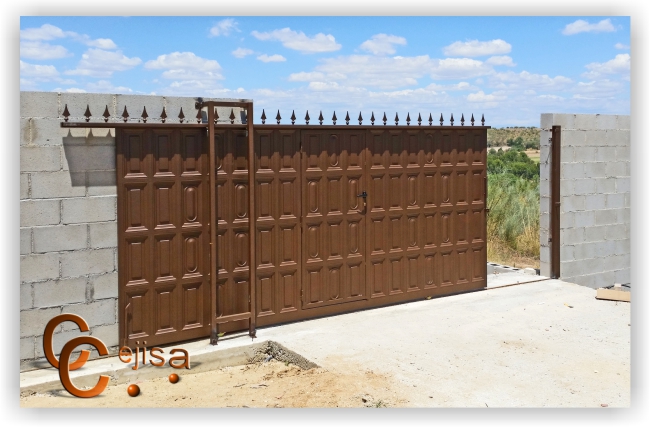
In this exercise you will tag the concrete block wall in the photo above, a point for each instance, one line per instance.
(594, 196)
(68, 213)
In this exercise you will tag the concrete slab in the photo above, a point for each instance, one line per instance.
(542, 344)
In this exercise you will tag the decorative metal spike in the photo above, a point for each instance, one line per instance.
(430, 120)
(199, 116)
(87, 113)
(396, 119)
(482, 120)
(360, 118)
(472, 119)
(163, 115)
(419, 120)
(106, 114)
(293, 117)
(125, 115)
(263, 116)
(144, 115)
(452, 119)
(66, 113)
(181, 116)
(408, 119)
(307, 118)
(384, 119)
(372, 118)
(347, 118)
(441, 119)
(232, 116)
(462, 120)
(278, 117)
(334, 118)
(320, 118)
(216, 115)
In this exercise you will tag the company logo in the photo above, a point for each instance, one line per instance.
(64, 366)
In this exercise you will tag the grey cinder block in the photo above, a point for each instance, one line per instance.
(596, 233)
(80, 263)
(25, 131)
(615, 201)
(26, 300)
(24, 186)
(25, 241)
(104, 286)
(571, 171)
(596, 202)
(605, 154)
(584, 219)
(27, 348)
(33, 322)
(573, 138)
(567, 121)
(48, 185)
(623, 122)
(40, 159)
(595, 170)
(39, 212)
(47, 132)
(596, 138)
(616, 232)
(88, 158)
(614, 169)
(585, 121)
(60, 238)
(573, 203)
(567, 220)
(102, 183)
(622, 185)
(605, 185)
(606, 216)
(59, 292)
(572, 236)
(96, 313)
(35, 267)
(103, 235)
(606, 121)
(88, 209)
(618, 138)
(108, 334)
(584, 186)
(39, 104)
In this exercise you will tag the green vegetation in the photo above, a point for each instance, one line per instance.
(513, 200)
(528, 137)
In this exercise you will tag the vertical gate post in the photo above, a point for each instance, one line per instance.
(214, 330)
(252, 217)
(554, 240)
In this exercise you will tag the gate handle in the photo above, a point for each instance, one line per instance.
(364, 195)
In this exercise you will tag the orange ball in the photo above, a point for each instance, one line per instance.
(173, 378)
(133, 390)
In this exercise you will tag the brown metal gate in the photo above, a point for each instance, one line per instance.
(345, 218)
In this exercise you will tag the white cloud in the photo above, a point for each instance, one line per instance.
(481, 96)
(500, 60)
(581, 26)
(527, 80)
(458, 68)
(186, 66)
(477, 48)
(224, 27)
(382, 44)
(41, 51)
(306, 77)
(50, 32)
(619, 65)
(103, 63)
(104, 86)
(272, 58)
(241, 52)
(44, 32)
(596, 89)
(299, 41)
(38, 71)
(71, 90)
(621, 46)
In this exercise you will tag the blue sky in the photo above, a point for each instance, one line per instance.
(511, 69)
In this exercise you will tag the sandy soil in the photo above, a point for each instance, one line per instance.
(269, 385)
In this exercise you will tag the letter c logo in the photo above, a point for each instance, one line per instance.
(64, 365)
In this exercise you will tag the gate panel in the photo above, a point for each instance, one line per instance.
(163, 235)
(277, 201)
(333, 168)
(233, 260)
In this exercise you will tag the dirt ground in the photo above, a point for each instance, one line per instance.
(271, 384)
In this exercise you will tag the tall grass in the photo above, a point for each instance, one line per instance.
(513, 221)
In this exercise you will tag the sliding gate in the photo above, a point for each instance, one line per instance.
(345, 217)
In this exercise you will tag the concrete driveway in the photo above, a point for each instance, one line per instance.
(543, 344)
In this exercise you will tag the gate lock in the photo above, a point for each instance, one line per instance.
(364, 195)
